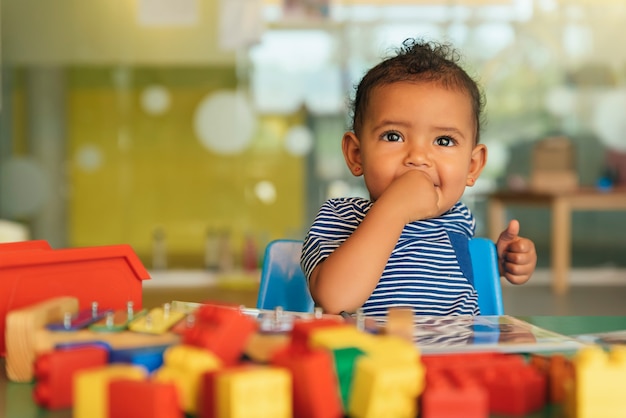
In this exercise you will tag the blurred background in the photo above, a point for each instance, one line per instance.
(198, 130)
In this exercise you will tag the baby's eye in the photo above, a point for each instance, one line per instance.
(392, 137)
(445, 141)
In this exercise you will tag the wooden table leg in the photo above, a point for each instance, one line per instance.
(496, 216)
(561, 244)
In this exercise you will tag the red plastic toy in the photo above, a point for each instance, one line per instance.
(143, 399)
(54, 372)
(223, 330)
(32, 272)
(315, 391)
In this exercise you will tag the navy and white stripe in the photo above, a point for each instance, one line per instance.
(422, 271)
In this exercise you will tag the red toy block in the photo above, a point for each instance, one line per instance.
(514, 387)
(559, 371)
(143, 399)
(302, 330)
(32, 272)
(453, 394)
(315, 390)
(222, 330)
(55, 370)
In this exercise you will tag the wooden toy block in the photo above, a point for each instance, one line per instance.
(315, 390)
(266, 390)
(222, 330)
(400, 323)
(157, 320)
(55, 371)
(597, 390)
(33, 272)
(453, 394)
(143, 399)
(91, 388)
(184, 366)
(383, 389)
(28, 337)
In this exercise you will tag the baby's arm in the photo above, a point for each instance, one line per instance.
(517, 256)
(347, 278)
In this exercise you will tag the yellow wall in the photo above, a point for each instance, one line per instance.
(155, 173)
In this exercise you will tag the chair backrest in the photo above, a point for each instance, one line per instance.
(283, 282)
(486, 275)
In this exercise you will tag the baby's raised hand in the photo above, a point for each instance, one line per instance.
(517, 256)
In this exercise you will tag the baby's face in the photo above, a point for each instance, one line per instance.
(420, 126)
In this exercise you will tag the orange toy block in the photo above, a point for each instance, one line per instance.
(33, 272)
(222, 330)
(559, 371)
(143, 399)
(91, 388)
(55, 371)
(315, 391)
(453, 394)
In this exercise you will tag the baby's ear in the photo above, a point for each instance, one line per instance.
(351, 147)
(477, 163)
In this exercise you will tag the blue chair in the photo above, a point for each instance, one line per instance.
(283, 282)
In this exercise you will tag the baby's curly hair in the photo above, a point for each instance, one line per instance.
(418, 61)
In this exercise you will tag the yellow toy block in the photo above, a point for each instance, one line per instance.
(91, 388)
(395, 349)
(184, 365)
(256, 392)
(597, 391)
(384, 389)
(333, 338)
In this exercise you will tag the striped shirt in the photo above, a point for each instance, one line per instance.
(422, 271)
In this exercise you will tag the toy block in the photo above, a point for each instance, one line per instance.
(383, 389)
(597, 390)
(156, 320)
(343, 336)
(400, 323)
(91, 388)
(394, 348)
(184, 366)
(260, 347)
(222, 330)
(315, 390)
(345, 360)
(143, 399)
(34, 272)
(54, 372)
(151, 358)
(302, 329)
(453, 394)
(266, 390)
(559, 371)
(515, 388)
(79, 320)
(118, 320)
